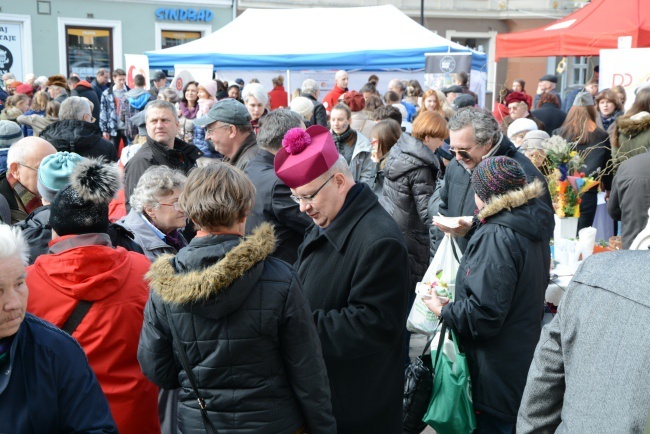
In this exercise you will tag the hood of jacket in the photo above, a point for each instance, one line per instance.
(138, 98)
(527, 216)
(84, 84)
(72, 135)
(634, 125)
(89, 272)
(406, 155)
(218, 272)
(362, 145)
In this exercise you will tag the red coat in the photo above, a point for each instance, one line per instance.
(332, 98)
(110, 332)
(278, 97)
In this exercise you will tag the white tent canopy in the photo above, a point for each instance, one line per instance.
(299, 39)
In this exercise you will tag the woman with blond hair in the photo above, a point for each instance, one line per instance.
(229, 323)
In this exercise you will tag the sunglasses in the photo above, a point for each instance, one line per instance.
(462, 153)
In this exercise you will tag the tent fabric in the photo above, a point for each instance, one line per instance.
(285, 39)
(585, 32)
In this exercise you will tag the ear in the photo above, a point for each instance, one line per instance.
(150, 211)
(13, 169)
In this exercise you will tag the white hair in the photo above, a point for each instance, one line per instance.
(18, 152)
(310, 87)
(13, 244)
(29, 76)
(74, 107)
(155, 182)
(41, 80)
(257, 91)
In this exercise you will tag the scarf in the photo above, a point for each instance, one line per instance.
(27, 201)
(204, 106)
(607, 121)
(173, 239)
(187, 112)
(342, 138)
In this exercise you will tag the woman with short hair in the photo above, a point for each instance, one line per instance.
(609, 108)
(256, 100)
(240, 317)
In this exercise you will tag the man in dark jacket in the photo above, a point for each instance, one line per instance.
(310, 89)
(75, 131)
(549, 112)
(273, 201)
(82, 88)
(46, 385)
(354, 268)
(474, 136)
(100, 83)
(161, 148)
(498, 305)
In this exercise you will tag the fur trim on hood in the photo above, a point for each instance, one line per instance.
(512, 199)
(199, 285)
(634, 125)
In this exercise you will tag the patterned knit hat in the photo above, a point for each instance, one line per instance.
(496, 176)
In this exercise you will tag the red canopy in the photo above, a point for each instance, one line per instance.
(583, 33)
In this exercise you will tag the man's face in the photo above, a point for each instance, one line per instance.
(592, 89)
(342, 81)
(120, 80)
(102, 79)
(161, 126)
(222, 136)
(463, 143)
(327, 203)
(255, 108)
(517, 110)
(26, 172)
(451, 96)
(53, 92)
(13, 295)
(160, 83)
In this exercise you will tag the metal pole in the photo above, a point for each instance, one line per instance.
(422, 13)
(234, 9)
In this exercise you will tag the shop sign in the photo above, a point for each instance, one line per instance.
(10, 49)
(169, 14)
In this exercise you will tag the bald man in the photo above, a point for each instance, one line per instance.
(341, 86)
(18, 183)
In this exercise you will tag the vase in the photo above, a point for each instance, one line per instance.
(565, 227)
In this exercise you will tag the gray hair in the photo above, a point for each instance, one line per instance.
(20, 150)
(310, 87)
(155, 182)
(257, 91)
(340, 166)
(275, 125)
(102, 72)
(397, 84)
(12, 244)
(8, 76)
(160, 104)
(482, 122)
(169, 95)
(62, 90)
(74, 107)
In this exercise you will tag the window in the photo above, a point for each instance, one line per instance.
(88, 49)
(578, 71)
(178, 37)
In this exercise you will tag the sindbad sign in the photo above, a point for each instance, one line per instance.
(170, 14)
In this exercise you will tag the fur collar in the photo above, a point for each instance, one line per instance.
(511, 199)
(199, 285)
(634, 125)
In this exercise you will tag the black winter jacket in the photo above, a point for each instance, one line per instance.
(552, 116)
(90, 94)
(320, 114)
(457, 194)
(81, 137)
(499, 302)
(410, 177)
(274, 205)
(355, 276)
(248, 334)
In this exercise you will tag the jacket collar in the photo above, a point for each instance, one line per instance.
(511, 199)
(200, 285)
(68, 242)
(248, 143)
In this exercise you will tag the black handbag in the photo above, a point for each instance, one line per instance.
(418, 387)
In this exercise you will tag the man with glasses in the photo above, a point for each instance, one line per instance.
(76, 131)
(518, 109)
(18, 185)
(474, 135)
(162, 147)
(228, 128)
(353, 265)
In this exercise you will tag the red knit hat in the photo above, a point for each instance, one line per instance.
(25, 88)
(516, 97)
(354, 100)
(305, 155)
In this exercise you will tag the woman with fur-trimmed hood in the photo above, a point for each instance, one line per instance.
(241, 318)
(500, 286)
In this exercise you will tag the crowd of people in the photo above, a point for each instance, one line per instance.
(228, 258)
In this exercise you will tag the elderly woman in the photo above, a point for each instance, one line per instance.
(240, 318)
(518, 129)
(533, 147)
(155, 216)
(351, 144)
(256, 100)
(518, 109)
(497, 307)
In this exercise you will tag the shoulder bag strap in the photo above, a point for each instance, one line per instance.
(209, 428)
(77, 315)
(441, 340)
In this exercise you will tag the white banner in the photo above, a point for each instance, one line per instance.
(136, 64)
(200, 73)
(626, 67)
(11, 59)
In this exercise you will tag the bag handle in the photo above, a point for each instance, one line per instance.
(207, 424)
(441, 339)
(453, 250)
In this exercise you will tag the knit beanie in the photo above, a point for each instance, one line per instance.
(496, 176)
(303, 106)
(10, 133)
(82, 206)
(210, 87)
(520, 125)
(54, 173)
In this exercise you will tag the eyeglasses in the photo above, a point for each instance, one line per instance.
(29, 167)
(310, 198)
(211, 130)
(463, 153)
(173, 205)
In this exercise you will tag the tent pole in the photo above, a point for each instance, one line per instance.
(290, 92)
(234, 10)
(422, 13)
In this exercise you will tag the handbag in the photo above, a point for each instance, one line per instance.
(451, 410)
(418, 385)
(207, 424)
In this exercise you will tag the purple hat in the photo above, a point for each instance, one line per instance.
(305, 155)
